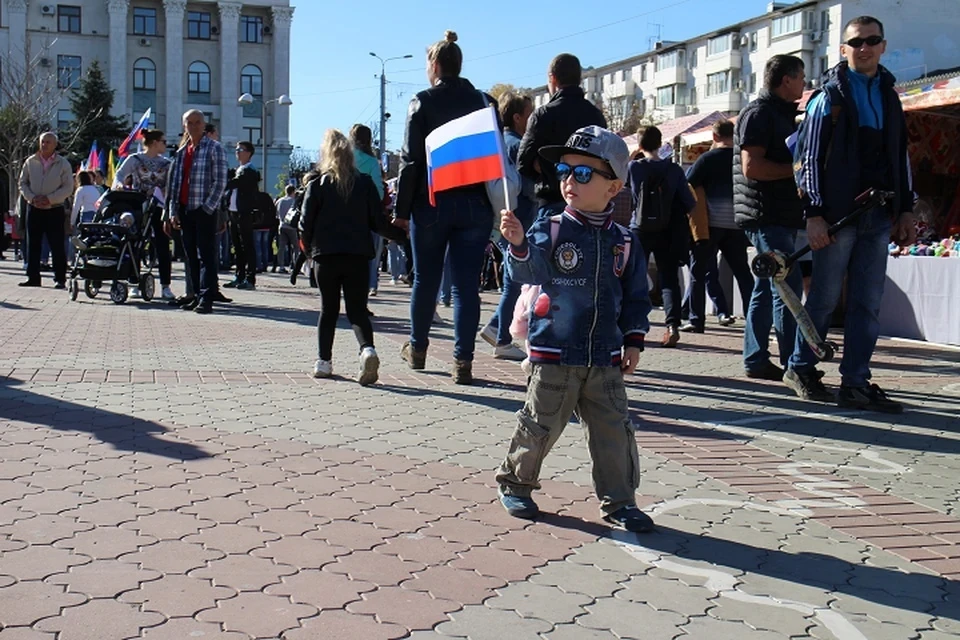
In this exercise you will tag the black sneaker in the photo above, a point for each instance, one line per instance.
(630, 518)
(807, 385)
(768, 371)
(871, 398)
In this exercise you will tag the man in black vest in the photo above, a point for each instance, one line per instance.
(552, 124)
(767, 206)
(244, 187)
(857, 140)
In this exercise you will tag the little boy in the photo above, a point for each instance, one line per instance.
(585, 332)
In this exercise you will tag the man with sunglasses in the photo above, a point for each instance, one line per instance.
(244, 187)
(855, 139)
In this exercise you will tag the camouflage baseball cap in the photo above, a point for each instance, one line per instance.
(595, 142)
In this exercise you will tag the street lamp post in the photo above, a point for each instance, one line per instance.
(383, 100)
(283, 101)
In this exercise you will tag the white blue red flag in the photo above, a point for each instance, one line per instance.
(464, 151)
(124, 149)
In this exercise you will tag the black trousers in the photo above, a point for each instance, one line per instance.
(46, 222)
(241, 233)
(350, 274)
(199, 230)
(669, 248)
(160, 247)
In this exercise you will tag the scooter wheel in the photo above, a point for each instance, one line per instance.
(765, 265)
(829, 350)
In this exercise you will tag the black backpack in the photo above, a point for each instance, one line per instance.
(654, 205)
(264, 212)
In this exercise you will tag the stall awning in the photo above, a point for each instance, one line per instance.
(702, 135)
(679, 126)
(939, 98)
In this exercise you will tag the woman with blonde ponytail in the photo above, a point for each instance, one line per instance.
(340, 210)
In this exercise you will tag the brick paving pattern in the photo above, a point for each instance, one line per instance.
(167, 475)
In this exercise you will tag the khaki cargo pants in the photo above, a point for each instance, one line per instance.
(598, 397)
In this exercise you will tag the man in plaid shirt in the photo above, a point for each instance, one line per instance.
(195, 187)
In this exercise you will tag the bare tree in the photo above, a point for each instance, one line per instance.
(30, 94)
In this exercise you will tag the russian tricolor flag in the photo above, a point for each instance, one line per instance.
(464, 151)
(124, 149)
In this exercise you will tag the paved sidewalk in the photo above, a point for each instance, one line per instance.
(169, 475)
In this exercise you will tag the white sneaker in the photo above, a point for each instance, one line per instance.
(527, 367)
(369, 366)
(724, 320)
(167, 294)
(322, 369)
(393, 281)
(508, 352)
(489, 335)
(373, 293)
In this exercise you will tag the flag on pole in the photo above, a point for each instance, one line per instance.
(124, 149)
(111, 169)
(464, 151)
(102, 160)
(93, 159)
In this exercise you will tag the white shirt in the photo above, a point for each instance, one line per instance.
(85, 199)
(233, 192)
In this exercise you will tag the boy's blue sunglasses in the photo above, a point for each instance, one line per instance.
(581, 172)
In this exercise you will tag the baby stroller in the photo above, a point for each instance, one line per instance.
(114, 247)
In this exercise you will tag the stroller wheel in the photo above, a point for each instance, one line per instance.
(73, 288)
(118, 292)
(91, 288)
(147, 287)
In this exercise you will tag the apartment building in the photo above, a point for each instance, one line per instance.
(723, 70)
(169, 56)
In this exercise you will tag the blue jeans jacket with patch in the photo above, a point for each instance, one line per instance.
(594, 298)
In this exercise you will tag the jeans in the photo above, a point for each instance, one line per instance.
(860, 253)
(446, 282)
(598, 397)
(287, 246)
(264, 252)
(732, 243)
(199, 230)
(223, 241)
(244, 244)
(46, 224)
(766, 308)
(346, 273)
(398, 261)
(462, 221)
(503, 316)
(160, 247)
(374, 266)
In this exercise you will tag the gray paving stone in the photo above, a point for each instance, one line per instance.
(584, 579)
(576, 632)
(667, 595)
(706, 628)
(638, 622)
(540, 601)
(479, 622)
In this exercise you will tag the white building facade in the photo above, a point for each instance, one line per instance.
(169, 56)
(723, 70)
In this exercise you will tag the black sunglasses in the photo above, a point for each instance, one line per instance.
(856, 43)
(581, 172)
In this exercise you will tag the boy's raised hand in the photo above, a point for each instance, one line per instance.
(510, 228)
(631, 357)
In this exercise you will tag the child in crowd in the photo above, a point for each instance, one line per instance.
(585, 330)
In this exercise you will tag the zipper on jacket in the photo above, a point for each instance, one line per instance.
(876, 116)
(596, 299)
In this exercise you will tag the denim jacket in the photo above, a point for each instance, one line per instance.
(594, 298)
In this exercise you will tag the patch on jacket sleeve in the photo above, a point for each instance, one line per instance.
(568, 257)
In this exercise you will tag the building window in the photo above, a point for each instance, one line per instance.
(198, 25)
(64, 119)
(643, 72)
(790, 23)
(145, 74)
(693, 95)
(144, 21)
(68, 19)
(824, 64)
(674, 94)
(198, 81)
(718, 83)
(671, 60)
(252, 134)
(752, 86)
(68, 71)
(251, 29)
(825, 20)
(693, 58)
(718, 45)
(251, 80)
(753, 41)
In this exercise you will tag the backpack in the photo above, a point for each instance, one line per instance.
(264, 211)
(654, 205)
(807, 130)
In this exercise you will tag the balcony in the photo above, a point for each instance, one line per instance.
(667, 77)
(620, 89)
(730, 59)
(729, 101)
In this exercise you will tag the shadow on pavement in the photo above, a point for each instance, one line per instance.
(885, 586)
(125, 433)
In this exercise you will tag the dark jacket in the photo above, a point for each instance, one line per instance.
(766, 122)
(674, 184)
(551, 124)
(246, 181)
(332, 225)
(448, 100)
(867, 148)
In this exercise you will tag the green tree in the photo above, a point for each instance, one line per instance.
(501, 88)
(91, 101)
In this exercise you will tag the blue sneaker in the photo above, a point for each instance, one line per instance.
(630, 518)
(519, 506)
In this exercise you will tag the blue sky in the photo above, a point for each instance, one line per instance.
(333, 79)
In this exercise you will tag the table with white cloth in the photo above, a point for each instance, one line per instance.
(921, 299)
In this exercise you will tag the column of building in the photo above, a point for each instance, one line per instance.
(118, 55)
(17, 23)
(282, 16)
(229, 72)
(173, 60)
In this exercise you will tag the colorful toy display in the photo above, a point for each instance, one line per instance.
(946, 248)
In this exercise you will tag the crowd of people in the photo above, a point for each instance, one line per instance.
(574, 250)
